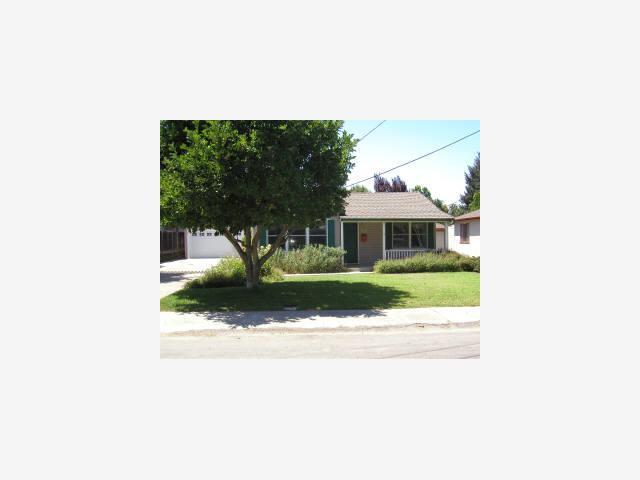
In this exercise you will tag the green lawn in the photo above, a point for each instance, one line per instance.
(336, 292)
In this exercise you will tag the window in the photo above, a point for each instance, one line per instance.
(209, 234)
(318, 235)
(272, 235)
(464, 233)
(400, 237)
(297, 238)
(418, 235)
(194, 234)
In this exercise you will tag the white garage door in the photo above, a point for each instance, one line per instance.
(207, 245)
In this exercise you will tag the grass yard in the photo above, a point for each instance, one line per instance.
(336, 292)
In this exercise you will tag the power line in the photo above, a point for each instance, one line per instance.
(362, 138)
(410, 161)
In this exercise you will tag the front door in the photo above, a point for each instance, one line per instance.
(350, 242)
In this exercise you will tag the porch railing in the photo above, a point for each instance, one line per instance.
(397, 254)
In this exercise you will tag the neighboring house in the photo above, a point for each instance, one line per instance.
(464, 234)
(376, 225)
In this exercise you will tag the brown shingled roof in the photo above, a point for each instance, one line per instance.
(469, 216)
(393, 206)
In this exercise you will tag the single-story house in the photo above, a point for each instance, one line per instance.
(464, 234)
(374, 226)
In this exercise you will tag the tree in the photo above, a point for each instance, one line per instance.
(243, 176)
(423, 190)
(456, 209)
(381, 184)
(173, 136)
(472, 179)
(436, 201)
(359, 188)
(440, 204)
(475, 203)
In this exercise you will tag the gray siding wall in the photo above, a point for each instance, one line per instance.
(371, 250)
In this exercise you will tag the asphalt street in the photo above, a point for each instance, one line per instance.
(381, 343)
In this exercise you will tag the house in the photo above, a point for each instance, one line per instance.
(464, 234)
(374, 226)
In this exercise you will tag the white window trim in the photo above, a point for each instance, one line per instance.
(410, 235)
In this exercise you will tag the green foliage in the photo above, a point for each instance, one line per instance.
(429, 262)
(472, 179)
(237, 174)
(456, 209)
(470, 264)
(436, 201)
(230, 272)
(423, 190)
(359, 188)
(310, 259)
(232, 176)
(475, 203)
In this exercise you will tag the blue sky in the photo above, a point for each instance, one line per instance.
(398, 141)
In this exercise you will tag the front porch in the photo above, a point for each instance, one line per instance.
(366, 242)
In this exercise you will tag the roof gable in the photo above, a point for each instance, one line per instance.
(392, 206)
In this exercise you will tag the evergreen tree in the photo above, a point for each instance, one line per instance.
(472, 179)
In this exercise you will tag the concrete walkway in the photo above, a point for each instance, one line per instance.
(324, 319)
(188, 265)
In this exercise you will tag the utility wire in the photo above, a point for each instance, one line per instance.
(363, 137)
(410, 161)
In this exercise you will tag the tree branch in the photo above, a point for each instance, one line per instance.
(276, 245)
(227, 234)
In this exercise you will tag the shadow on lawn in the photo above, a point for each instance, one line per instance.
(239, 307)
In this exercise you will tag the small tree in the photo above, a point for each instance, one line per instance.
(456, 209)
(359, 188)
(243, 176)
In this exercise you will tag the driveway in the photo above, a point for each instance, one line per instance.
(173, 275)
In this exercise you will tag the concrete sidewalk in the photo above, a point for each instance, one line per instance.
(323, 319)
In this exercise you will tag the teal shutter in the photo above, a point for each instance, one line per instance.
(431, 235)
(331, 233)
(388, 240)
(263, 236)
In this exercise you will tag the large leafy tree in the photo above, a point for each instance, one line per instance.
(472, 180)
(173, 137)
(242, 176)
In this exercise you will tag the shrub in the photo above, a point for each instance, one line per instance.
(230, 272)
(430, 262)
(310, 259)
(470, 264)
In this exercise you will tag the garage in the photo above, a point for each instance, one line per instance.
(207, 245)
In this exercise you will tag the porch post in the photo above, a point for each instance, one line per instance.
(384, 247)
(342, 237)
(446, 237)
